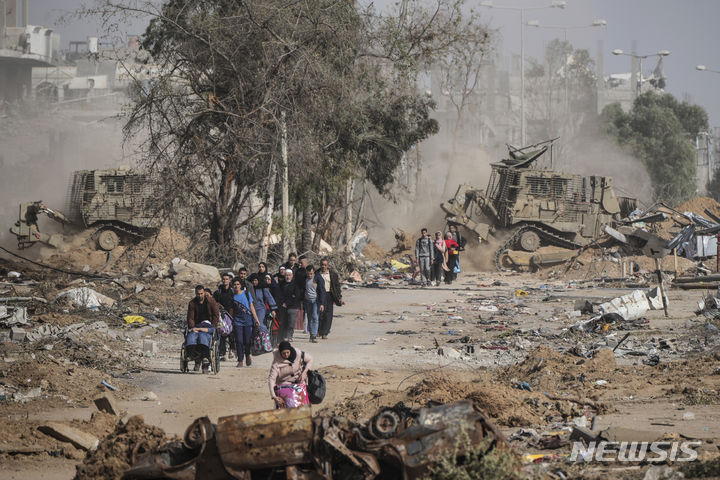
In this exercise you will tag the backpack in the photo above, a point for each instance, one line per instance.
(316, 385)
(225, 324)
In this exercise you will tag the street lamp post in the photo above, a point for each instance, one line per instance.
(596, 23)
(703, 68)
(554, 4)
(639, 58)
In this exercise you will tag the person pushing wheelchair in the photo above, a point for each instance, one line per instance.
(202, 318)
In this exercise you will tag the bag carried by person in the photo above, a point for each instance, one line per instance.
(260, 340)
(316, 385)
(294, 395)
(456, 269)
(225, 324)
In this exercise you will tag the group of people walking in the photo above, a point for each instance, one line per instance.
(438, 259)
(298, 296)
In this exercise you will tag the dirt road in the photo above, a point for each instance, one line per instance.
(387, 339)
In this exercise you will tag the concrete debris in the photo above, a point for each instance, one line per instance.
(17, 334)
(358, 242)
(65, 433)
(662, 472)
(31, 394)
(107, 403)
(149, 397)
(191, 272)
(150, 346)
(450, 353)
(11, 316)
(633, 305)
(86, 297)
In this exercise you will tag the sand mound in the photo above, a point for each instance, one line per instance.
(549, 370)
(117, 452)
(505, 405)
(698, 205)
(373, 251)
(160, 248)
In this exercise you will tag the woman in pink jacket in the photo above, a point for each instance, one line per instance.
(288, 376)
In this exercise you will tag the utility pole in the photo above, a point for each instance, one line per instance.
(285, 188)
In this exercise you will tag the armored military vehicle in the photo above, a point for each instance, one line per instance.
(535, 207)
(116, 204)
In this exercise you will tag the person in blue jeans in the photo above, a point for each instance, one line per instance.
(314, 300)
(243, 317)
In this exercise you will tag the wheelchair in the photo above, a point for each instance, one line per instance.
(186, 357)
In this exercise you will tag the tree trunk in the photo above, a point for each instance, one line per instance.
(361, 211)
(265, 240)
(285, 192)
(306, 238)
(348, 213)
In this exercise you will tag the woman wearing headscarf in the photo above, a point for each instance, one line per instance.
(288, 376)
(264, 300)
(439, 259)
(453, 254)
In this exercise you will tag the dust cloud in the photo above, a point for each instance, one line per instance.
(418, 198)
(39, 150)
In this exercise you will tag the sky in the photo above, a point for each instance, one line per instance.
(686, 28)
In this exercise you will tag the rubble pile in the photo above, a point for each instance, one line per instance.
(119, 450)
(83, 256)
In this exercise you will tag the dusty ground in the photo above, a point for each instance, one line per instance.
(494, 330)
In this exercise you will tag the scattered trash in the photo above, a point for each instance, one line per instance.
(134, 319)
(104, 383)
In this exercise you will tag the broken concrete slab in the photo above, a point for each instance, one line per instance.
(184, 271)
(583, 434)
(140, 332)
(85, 297)
(11, 316)
(150, 346)
(107, 403)
(633, 305)
(66, 433)
(17, 334)
(449, 352)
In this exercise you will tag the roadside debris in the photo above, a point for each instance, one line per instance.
(85, 297)
(397, 441)
(72, 435)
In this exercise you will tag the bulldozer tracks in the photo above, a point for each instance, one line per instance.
(546, 238)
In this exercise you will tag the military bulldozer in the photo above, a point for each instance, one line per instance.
(532, 207)
(115, 204)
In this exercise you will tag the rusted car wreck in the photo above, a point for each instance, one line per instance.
(397, 443)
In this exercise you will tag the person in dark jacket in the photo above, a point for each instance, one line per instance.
(202, 317)
(292, 263)
(313, 300)
(290, 300)
(243, 275)
(301, 281)
(224, 298)
(333, 297)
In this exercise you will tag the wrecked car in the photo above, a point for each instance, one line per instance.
(397, 443)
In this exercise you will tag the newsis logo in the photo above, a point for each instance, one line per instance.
(634, 451)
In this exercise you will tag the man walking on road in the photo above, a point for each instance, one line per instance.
(333, 297)
(424, 256)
